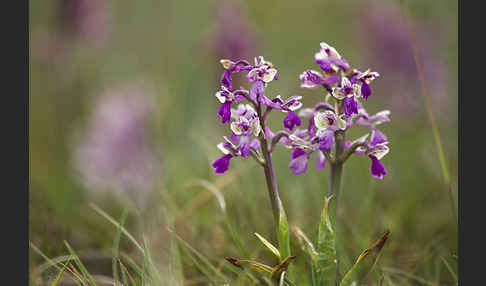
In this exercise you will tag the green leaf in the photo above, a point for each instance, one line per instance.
(282, 267)
(308, 248)
(365, 262)
(175, 262)
(305, 243)
(326, 265)
(273, 273)
(283, 233)
(270, 246)
(116, 245)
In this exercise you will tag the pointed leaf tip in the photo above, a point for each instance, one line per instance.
(270, 246)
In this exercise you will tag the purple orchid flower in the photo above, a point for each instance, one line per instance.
(229, 150)
(376, 153)
(329, 59)
(246, 123)
(226, 97)
(263, 70)
(364, 79)
(312, 78)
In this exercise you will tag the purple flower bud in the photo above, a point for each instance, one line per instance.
(291, 120)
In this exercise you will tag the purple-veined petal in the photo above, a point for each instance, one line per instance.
(244, 146)
(268, 133)
(256, 90)
(226, 80)
(225, 112)
(255, 144)
(326, 140)
(365, 90)
(312, 127)
(350, 106)
(299, 163)
(234, 137)
(342, 63)
(321, 160)
(266, 101)
(324, 64)
(297, 152)
(330, 80)
(377, 138)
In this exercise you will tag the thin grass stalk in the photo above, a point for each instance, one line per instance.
(430, 113)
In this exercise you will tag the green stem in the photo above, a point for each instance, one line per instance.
(277, 206)
(336, 169)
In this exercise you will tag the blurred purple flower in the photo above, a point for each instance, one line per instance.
(390, 47)
(86, 19)
(115, 153)
(233, 38)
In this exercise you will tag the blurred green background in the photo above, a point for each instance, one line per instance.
(81, 53)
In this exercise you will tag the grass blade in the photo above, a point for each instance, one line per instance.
(449, 268)
(80, 265)
(115, 223)
(54, 263)
(58, 277)
(175, 262)
(430, 113)
(365, 262)
(153, 271)
(116, 245)
(206, 267)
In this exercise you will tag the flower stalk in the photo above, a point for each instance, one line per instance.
(277, 206)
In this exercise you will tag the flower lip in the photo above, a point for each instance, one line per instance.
(221, 164)
(378, 170)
